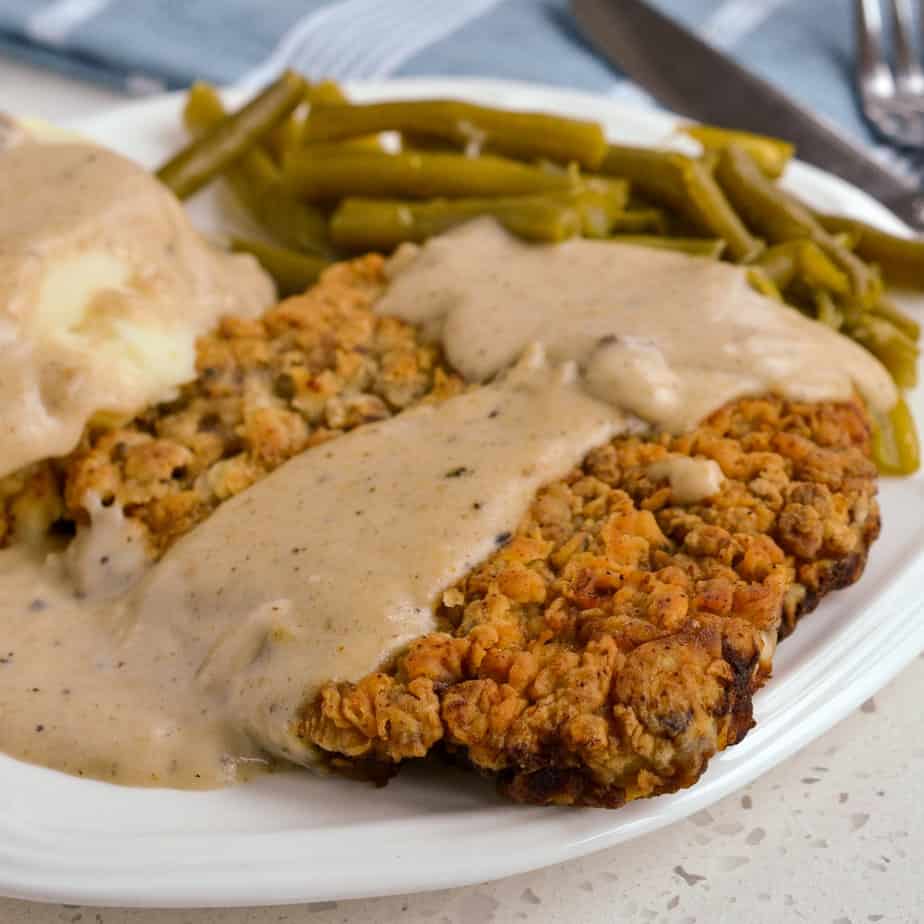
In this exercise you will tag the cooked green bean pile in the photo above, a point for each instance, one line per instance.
(323, 178)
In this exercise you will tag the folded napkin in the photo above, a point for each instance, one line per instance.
(145, 46)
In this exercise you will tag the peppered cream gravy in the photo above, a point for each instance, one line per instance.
(189, 673)
(104, 287)
(663, 335)
(320, 571)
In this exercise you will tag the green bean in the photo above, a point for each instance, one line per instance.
(770, 154)
(695, 246)
(524, 135)
(206, 157)
(350, 172)
(780, 217)
(658, 175)
(865, 281)
(827, 311)
(886, 308)
(846, 239)
(639, 221)
(329, 93)
(204, 110)
(370, 224)
(687, 186)
(325, 93)
(293, 272)
(412, 142)
(805, 259)
(762, 204)
(901, 259)
(761, 282)
(819, 271)
(256, 182)
(897, 352)
(600, 203)
(780, 263)
(286, 136)
(293, 223)
(381, 224)
(895, 442)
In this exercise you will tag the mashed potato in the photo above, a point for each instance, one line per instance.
(104, 288)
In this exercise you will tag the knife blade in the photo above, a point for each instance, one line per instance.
(692, 78)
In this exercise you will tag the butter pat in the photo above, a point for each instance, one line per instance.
(104, 288)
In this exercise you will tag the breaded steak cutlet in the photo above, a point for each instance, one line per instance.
(614, 644)
(606, 651)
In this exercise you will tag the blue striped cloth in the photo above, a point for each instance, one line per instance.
(143, 46)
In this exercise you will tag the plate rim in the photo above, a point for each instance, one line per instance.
(71, 870)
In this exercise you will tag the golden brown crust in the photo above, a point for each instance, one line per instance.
(614, 644)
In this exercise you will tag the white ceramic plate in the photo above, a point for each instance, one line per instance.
(299, 838)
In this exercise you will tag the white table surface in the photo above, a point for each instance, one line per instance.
(835, 835)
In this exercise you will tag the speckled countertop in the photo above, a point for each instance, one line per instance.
(835, 835)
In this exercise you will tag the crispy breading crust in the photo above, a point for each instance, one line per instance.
(614, 644)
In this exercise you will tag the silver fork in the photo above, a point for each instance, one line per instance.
(892, 95)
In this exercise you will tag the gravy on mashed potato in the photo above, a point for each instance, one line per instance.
(189, 672)
(104, 288)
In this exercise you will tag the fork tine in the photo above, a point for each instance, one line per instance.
(908, 73)
(874, 75)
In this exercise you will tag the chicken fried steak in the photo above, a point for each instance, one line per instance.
(608, 648)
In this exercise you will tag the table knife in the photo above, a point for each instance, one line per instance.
(692, 78)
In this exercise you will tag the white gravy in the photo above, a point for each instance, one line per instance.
(192, 674)
(320, 571)
(665, 336)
